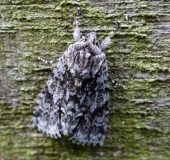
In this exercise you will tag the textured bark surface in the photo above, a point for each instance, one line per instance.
(138, 57)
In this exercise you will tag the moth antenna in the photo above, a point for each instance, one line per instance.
(77, 34)
(77, 17)
(105, 43)
(115, 28)
(116, 83)
(46, 61)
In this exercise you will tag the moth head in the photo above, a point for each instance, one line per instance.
(91, 37)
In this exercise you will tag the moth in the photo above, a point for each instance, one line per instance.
(74, 101)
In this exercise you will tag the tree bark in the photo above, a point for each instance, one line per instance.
(138, 57)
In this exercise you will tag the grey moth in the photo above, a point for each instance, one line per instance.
(74, 101)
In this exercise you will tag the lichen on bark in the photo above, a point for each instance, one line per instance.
(138, 57)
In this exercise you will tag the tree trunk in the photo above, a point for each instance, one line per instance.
(138, 57)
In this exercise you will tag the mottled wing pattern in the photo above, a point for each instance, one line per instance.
(89, 123)
(74, 101)
(49, 115)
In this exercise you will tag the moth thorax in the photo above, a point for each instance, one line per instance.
(91, 37)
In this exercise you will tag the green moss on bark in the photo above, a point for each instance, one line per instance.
(138, 57)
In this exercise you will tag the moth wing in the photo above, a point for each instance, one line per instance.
(49, 115)
(89, 123)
